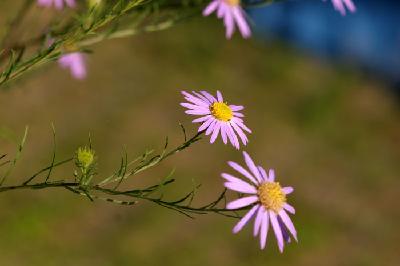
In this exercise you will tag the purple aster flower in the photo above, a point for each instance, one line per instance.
(75, 62)
(232, 13)
(217, 116)
(268, 201)
(59, 4)
(342, 5)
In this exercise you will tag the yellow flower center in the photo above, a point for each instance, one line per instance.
(221, 111)
(271, 196)
(232, 2)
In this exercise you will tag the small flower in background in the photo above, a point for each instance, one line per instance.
(342, 5)
(84, 160)
(75, 62)
(217, 116)
(232, 13)
(59, 4)
(269, 199)
(84, 157)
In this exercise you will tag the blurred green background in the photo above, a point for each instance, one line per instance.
(329, 131)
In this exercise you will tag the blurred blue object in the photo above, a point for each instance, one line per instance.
(370, 38)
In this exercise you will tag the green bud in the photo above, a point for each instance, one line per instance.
(84, 157)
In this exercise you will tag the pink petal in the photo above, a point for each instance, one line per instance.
(219, 97)
(70, 3)
(194, 99)
(239, 122)
(244, 28)
(245, 219)
(233, 137)
(208, 96)
(194, 107)
(238, 185)
(238, 114)
(206, 124)
(210, 8)
(241, 134)
(202, 97)
(243, 171)
(59, 4)
(202, 119)
(289, 208)
(277, 230)
(236, 108)
(211, 127)
(287, 190)
(197, 112)
(253, 168)
(288, 223)
(350, 5)
(222, 8)
(264, 230)
(263, 173)
(271, 175)
(242, 202)
(223, 133)
(215, 132)
(229, 23)
(258, 220)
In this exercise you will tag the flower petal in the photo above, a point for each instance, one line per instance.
(238, 185)
(223, 133)
(271, 175)
(210, 8)
(194, 107)
(263, 173)
(208, 96)
(277, 230)
(206, 124)
(197, 112)
(287, 190)
(238, 15)
(202, 119)
(241, 134)
(288, 223)
(219, 97)
(245, 219)
(239, 122)
(194, 99)
(253, 168)
(211, 127)
(258, 220)
(232, 136)
(289, 208)
(242, 202)
(202, 97)
(243, 171)
(264, 230)
(236, 108)
(215, 132)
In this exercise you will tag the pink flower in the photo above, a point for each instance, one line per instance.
(75, 62)
(59, 4)
(217, 116)
(267, 200)
(341, 5)
(231, 12)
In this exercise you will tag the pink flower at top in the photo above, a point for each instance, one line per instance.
(343, 5)
(232, 13)
(59, 4)
(217, 116)
(75, 62)
(267, 200)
